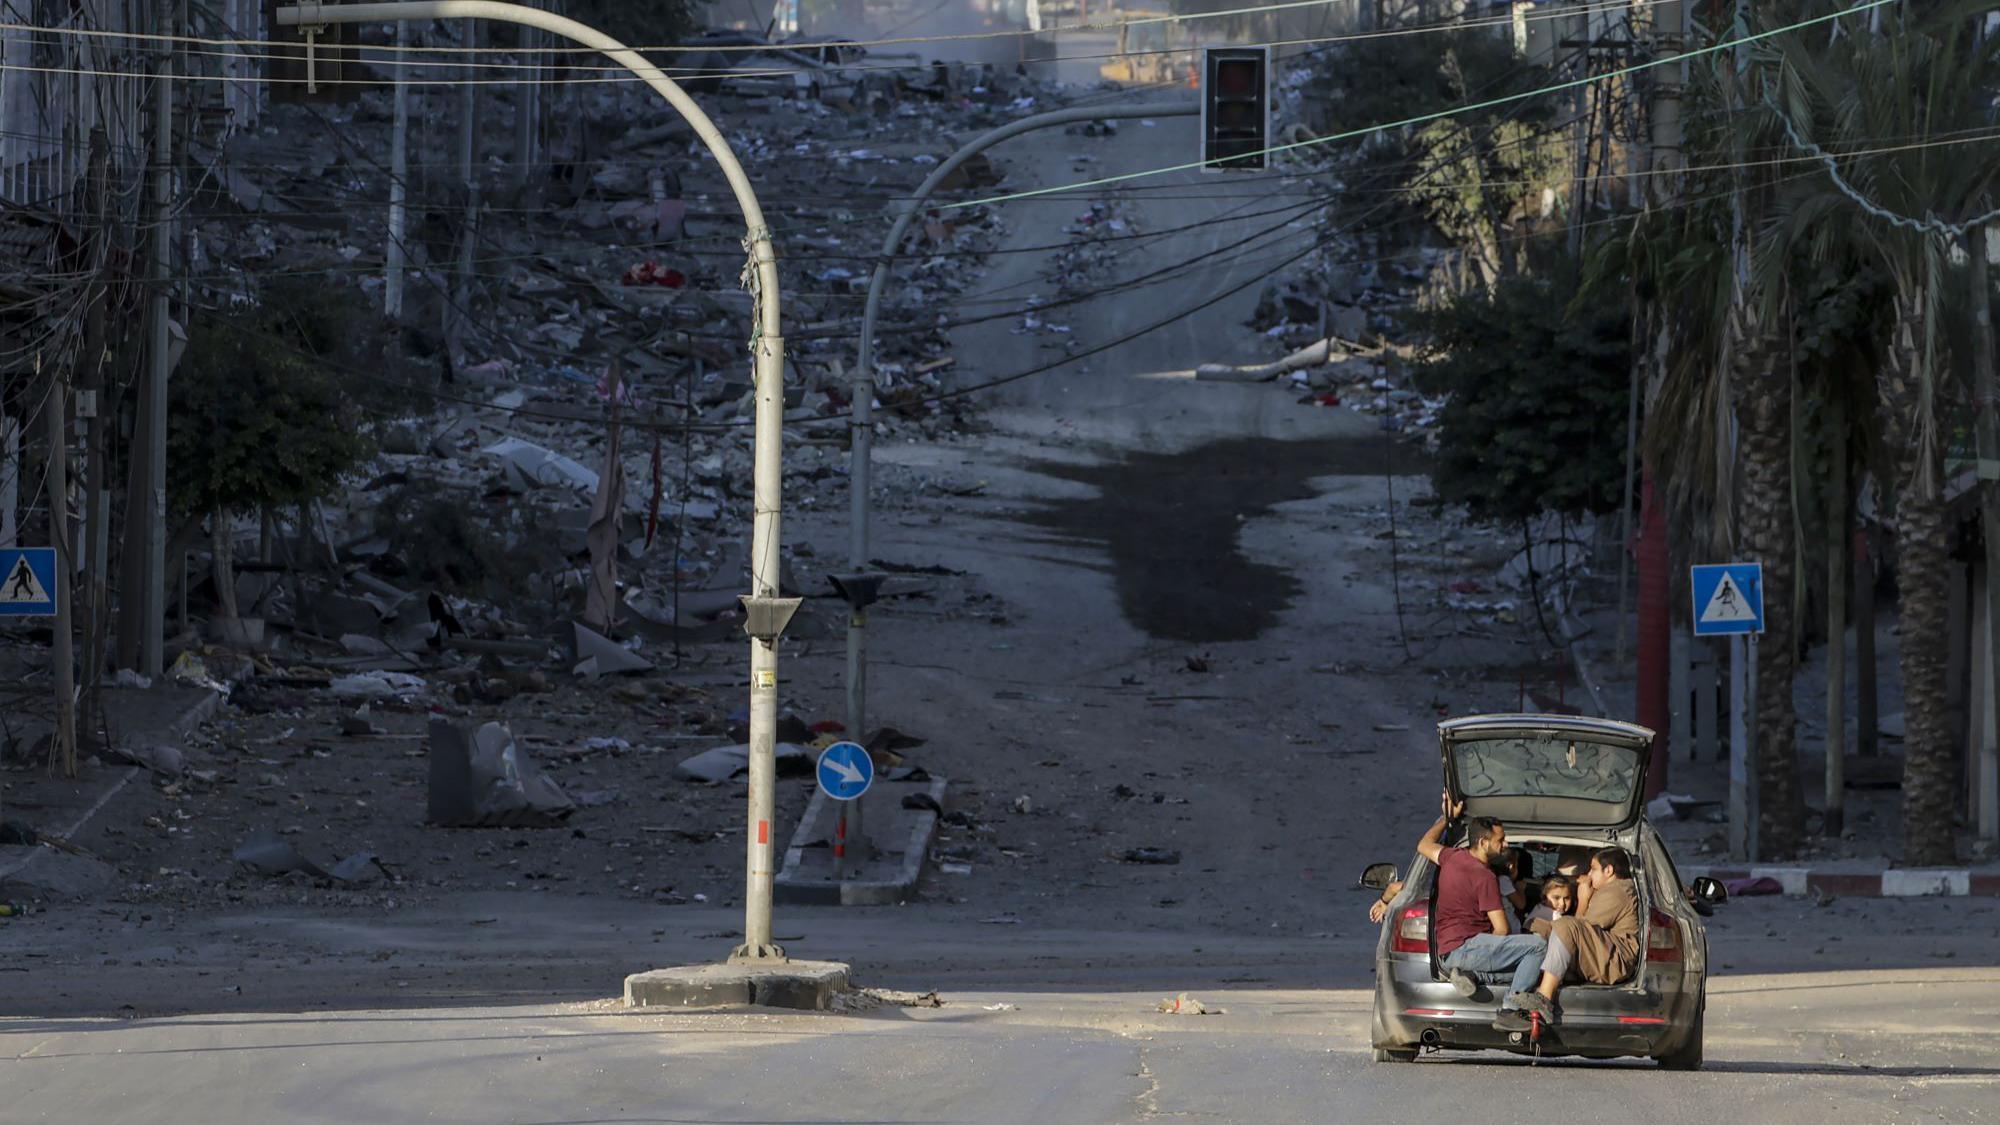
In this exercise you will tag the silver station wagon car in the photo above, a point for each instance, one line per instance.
(1553, 781)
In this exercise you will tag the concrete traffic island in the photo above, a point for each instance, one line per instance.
(770, 983)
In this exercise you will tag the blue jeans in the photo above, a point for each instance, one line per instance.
(1490, 955)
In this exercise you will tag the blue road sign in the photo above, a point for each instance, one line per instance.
(845, 771)
(27, 581)
(1728, 599)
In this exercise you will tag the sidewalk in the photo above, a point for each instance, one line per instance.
(61, 807)
(1863, 860)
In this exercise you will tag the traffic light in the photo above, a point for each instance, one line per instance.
(1235, 107)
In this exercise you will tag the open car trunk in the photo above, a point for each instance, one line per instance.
(1547, 771)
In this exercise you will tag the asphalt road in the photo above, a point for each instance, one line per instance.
(1783, 1048)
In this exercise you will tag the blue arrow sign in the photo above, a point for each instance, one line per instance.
(1728, 599)
(845, 771)
(27, 581)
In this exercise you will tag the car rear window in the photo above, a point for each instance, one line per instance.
(1532, 767)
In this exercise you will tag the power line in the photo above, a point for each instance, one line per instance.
(1423, 118)
(800, 46)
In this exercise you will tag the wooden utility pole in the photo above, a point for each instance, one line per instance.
(62, 752)
(90, 405)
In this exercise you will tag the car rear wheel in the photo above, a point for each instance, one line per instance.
(1688, 1055)
(1395, 1054)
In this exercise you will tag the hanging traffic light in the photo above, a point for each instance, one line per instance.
(1235, 107)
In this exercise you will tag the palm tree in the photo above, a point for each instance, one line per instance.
(1926, 76)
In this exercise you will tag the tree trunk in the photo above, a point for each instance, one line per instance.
(223, 543)
(1930, 760)
(1764, 409)
(1834, 822)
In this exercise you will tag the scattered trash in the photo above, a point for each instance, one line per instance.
(923, 802)
(1024, 804)
(1001, 1007)
(486, 781)
(1185, 1005)
(358, 724)
(1157, 856)
(955, 868)
(377, 685)
(1761, 885)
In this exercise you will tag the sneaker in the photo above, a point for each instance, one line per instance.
(1466, 984)
(1511, 1020)
(1533, 1002)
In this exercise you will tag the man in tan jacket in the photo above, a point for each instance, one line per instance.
(1599, 944)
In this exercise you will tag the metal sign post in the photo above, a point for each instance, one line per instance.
(1729, 602)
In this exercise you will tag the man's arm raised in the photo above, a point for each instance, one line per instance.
(1429, 846)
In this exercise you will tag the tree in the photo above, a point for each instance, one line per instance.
(1928, 74)
(1536, 393)
(256, 421)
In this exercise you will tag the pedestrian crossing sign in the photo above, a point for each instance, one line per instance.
(27, 581)
(1728, 599)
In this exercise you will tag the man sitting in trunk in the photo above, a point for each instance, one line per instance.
(1473, 934)
(1599, 944)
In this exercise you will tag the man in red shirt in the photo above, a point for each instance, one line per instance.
(1469, 923)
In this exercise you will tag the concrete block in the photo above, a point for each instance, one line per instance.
(803, 985)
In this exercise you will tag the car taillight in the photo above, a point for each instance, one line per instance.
(1663, 938)
(1413, 930)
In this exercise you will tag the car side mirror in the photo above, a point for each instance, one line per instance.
(1709, 892)
(1377, 876)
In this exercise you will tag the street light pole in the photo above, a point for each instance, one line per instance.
(861, 426)
(765, 612)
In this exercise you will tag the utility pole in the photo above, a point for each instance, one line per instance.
(154, 601)
(459, 313)
(392, 269)
(527, 106)
(62, 755)
(1986, 798)
(90, 406)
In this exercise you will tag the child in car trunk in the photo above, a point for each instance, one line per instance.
(1558, 899)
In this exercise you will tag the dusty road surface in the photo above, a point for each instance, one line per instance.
(1181, 616)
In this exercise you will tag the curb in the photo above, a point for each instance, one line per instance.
(793, 888)
(1902, 882)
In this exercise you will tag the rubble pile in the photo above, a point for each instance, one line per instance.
(581, 410)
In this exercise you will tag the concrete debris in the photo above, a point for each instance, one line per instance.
(485, 780)
(598, 655)
(268, 853)
(712, 767)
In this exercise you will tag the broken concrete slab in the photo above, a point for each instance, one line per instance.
(485, 780)
(36, 872)
(599, 655)
(713, 767)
